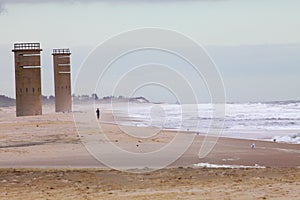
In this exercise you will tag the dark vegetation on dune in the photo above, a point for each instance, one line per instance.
(6, 101)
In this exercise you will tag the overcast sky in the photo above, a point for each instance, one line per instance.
(255, 44)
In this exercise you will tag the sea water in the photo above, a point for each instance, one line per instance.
(276, 121)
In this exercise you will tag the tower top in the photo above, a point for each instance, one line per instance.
(26, 46)
(61, 51)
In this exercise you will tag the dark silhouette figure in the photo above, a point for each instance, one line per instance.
(98, 113)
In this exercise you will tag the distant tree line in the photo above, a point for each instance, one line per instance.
(7, 101)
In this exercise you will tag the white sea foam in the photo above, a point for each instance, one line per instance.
(278, 120)
(295, 138)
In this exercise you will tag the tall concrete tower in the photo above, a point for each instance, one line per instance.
(28, 79)
(62, 80)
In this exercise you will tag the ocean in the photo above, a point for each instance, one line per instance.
(274, 121)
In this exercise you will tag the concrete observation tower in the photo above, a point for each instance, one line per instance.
(62, 80)
(28, 79)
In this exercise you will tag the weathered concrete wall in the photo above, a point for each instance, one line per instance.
(28, 79)
(62, 80)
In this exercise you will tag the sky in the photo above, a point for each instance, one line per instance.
(254, 44)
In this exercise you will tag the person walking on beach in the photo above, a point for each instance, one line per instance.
(98, 113)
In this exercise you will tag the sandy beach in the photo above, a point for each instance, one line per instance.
(42, 157)
(149, 100)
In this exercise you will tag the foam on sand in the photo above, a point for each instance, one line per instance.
(208, 165)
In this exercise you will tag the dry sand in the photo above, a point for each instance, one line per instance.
(179, 183)
(31, 144)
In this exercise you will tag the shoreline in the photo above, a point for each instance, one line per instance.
(51, 140)
(206, 134)
(47, 111)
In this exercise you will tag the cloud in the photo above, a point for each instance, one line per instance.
(2, 9)
(93, 1)
(5, 2)
(90, 1)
